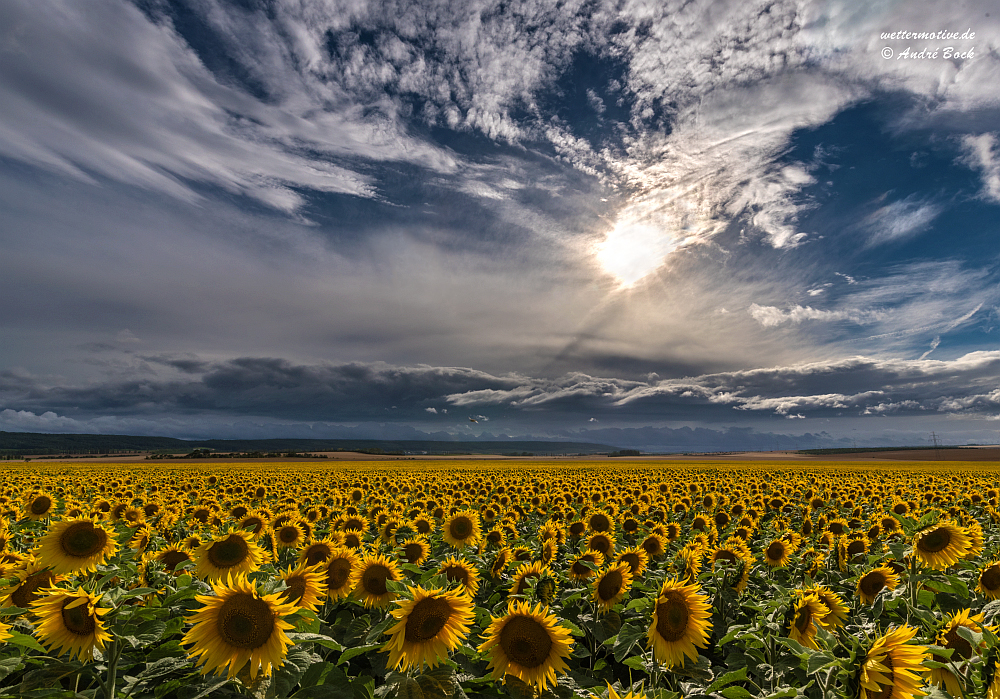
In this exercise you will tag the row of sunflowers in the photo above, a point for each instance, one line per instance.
(485, 579)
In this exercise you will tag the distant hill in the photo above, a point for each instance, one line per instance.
(16, 444)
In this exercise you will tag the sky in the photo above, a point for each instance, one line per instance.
(661, 225)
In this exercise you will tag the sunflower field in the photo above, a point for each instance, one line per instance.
(447, 580)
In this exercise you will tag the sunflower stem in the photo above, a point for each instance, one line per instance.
(115, 655)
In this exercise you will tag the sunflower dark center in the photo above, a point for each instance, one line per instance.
(352, 540)
(886, 690)
(652, 546)
(577, 528)
(990, 579)
(872, 583)
(296, 589)
(601, 543)
(171, 559)
(289, 534)
(856, 547)
(245, 621)
(803, 618)
(461, 528)
(836, 528)
(374, 578)
(672, 616)
(935, 541)
(41, 505)
(526, 642)
(633, 561)
(82, 540)
(963, 648)
(317, 553)
(726, 555)
(457, 573)
(229, 552)
(337, 573)
(775, 551)
(25, 592)
(413, 552)
(600, 523)
(426, 619)
(610, 585)
(78, 620)
(253, 523)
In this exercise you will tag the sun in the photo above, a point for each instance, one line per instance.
(631, 251)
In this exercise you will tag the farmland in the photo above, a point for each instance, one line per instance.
(361, 580)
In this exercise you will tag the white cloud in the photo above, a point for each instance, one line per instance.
(983, 154)
(772, 316)
(901, 219)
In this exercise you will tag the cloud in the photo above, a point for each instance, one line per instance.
(983, 154)
(771, 316)
(108, 94)
(277, 389)
(901, 219)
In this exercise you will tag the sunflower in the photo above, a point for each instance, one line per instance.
(71, 622)
(962, 650)
(611, 585)
(601, 521)
(527, 643)
(428, 627)
(550, 550)
(680, 623)
(415, 550)
(837, 615)
(76, 545)
(288, 535)
(238, 625)
(525, 572)
(579, 571)
(318, 551)
(30, 578)
(636, 558)
(735, 561)
(501, 562)
(612, 694)
(255, 522)
(874, 581)
(228, 554)
(941, 545)
(141, 537)
(808, 613)
(989, 580)
(655, 545)
(776, 555)
(171, 557)
(305, 586)
(369, 579)
(339, 569)
(603, 542)
(893, 669)
(353, 538)
(687, 563)
(39, 505)
(461, 571)
(462, 529)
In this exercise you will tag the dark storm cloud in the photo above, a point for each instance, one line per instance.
(260, 386)
(279, 389)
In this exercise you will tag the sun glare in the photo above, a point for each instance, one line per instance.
(632, 251)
